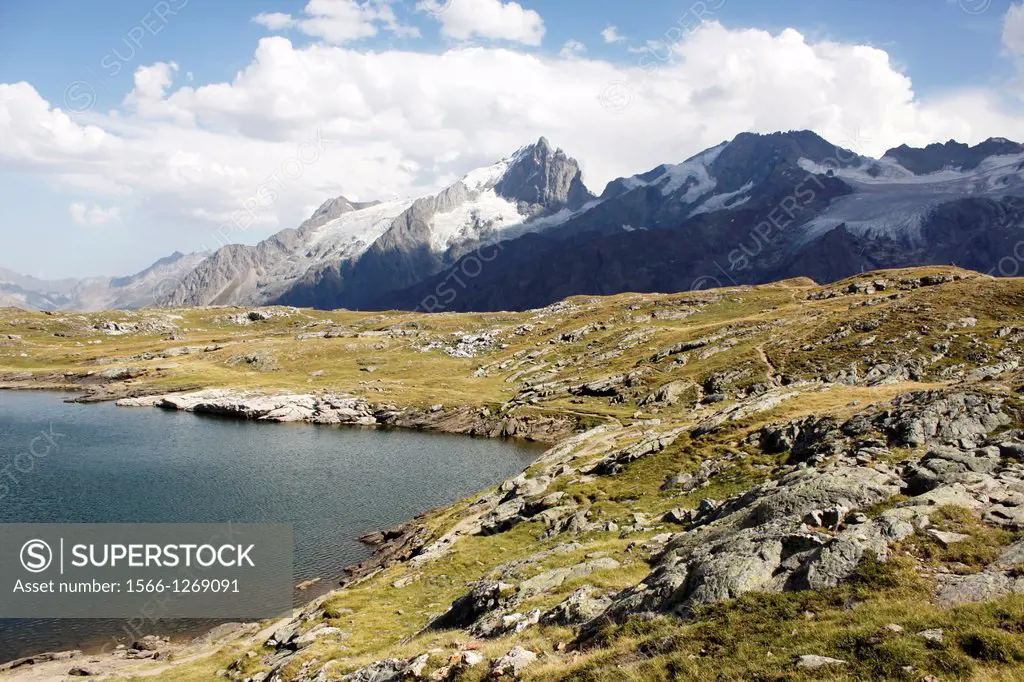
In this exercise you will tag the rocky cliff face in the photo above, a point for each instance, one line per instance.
(544, 179)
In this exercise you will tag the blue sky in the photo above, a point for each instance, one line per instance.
(107, 102)
(937, 42)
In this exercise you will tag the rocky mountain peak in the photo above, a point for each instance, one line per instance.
(951, 155)
(332, 209)
(543, 177)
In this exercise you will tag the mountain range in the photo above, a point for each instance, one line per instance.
(146, 288)
(526, 231)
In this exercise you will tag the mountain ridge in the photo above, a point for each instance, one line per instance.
(748, 210)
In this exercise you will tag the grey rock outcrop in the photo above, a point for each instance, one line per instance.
(581, 606)
(802, 530)
(485, 598)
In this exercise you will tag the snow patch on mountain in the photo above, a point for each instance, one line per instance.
(723, 201)
(352, 233)
(485, 214)
(693, 174)
(488, 176)
(898, 208)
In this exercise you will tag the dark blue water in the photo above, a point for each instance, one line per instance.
(101, 463)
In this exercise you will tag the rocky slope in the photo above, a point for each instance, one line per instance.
(788, 481)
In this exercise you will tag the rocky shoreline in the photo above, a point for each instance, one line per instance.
(345, 409)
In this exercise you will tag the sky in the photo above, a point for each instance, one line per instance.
(130, 129)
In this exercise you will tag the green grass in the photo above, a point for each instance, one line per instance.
(983, 545)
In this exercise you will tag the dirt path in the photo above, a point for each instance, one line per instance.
(773, 373)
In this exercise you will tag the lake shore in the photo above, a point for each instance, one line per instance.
(158, 652)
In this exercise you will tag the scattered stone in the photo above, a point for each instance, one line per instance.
(388, 670)
(945, 538)
(471, 659)
(260, 361)
(485, 597)
(812, 662)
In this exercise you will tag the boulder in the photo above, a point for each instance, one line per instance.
(514, 662)
(485, 597)
(579, 607)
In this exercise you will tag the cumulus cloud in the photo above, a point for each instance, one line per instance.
(611, 35)
(321, 120)
(151, 86)
(96, 216)
(340, 21)
(1013, 29)
(489, 19)
(572, 48)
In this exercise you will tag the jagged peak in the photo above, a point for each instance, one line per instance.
(950, 155)
(537, 153)
(542, 175)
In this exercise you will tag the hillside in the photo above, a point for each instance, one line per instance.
(786, 481)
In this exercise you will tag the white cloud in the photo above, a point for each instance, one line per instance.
(490, 19)
(340, 21)
(96, 216)
(572, 48)
(402, 122)
(1013, 29)
(611, 35)
(658, 48)
(275, 21)
(151, 85)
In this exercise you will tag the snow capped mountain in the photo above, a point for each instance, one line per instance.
(752, 209)
(348, 253)
(765, 207)
(891, 201)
